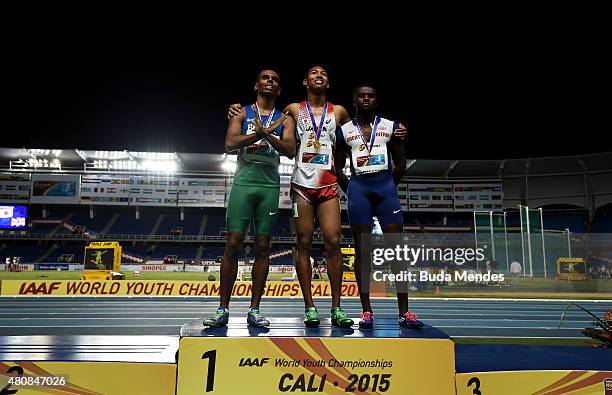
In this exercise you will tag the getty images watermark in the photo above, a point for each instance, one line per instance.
(403, 260)
(450, 256)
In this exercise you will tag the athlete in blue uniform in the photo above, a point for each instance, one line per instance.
(377, 163)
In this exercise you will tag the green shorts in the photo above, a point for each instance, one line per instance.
(259, 203)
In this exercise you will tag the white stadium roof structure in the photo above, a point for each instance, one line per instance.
(579, 180)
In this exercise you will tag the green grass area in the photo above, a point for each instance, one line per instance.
(524, 288)
(521, 288)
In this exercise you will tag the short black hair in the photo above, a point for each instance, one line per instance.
(264, 69)
(312, 66)
(364, 85)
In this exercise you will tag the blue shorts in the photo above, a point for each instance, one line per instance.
(374, 198)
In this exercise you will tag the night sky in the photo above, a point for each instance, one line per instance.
(462, 96)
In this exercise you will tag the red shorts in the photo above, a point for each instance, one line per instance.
(315, 196)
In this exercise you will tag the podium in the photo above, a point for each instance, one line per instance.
(88, 365)
(290, 358)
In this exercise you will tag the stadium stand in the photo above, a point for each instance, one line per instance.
(283, 227)
(182, 252)
(214, 225)
(28, 251)
(565, 201)
(66, 251)
(128, 224)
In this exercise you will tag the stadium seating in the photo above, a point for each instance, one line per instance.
(44, 228)
(95, 224)
(283, 227)
(214, 224)
(28, 251)
(213, 252)
(575, 225)
(182, 252)
(168, 222)
(191, 224)
(162, 220)
(77, 250)
(602, 223)
(128, 224)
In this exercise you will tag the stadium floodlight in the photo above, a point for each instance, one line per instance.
(229, 163)
(45, 152)
(151, 162)
(36, 164)
(229, 166)
(285, 169)
(39, 159)
(286, 165)
(116, 164)
(286, 161)
(157, 156)
(112, 155)
(160, 166)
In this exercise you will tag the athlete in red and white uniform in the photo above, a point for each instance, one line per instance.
(314, 176)
(314, 189)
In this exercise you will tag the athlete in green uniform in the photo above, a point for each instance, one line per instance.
(261, 133)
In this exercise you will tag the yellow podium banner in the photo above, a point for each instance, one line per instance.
(278, 365)
(87, 378)
(160, 288)
(535, 382)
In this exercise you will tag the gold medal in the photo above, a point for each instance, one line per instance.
(317, 145)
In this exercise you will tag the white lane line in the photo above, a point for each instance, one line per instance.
(520, 337)
(51, 300)
(576, 324)
(169, 325)
(183, 306)
(241, 310)
(510, 327)
(102, 318)
(292, 312)
(287, 300)
(240, 302)
(290, 309)
(86, 326)
(513, 300)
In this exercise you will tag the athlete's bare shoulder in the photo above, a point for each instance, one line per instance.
(293, 109)
(342, 116)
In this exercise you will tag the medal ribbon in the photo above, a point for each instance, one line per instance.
(269, 120)
(319, 128)
(372, 137)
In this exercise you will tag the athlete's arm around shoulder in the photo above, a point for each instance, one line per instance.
(234, 139)
(399, 159)
(342, 116)
(340, 154)
(294, 110)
